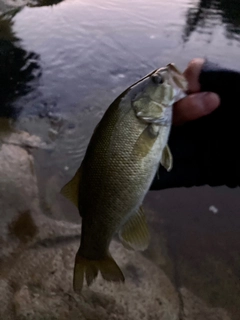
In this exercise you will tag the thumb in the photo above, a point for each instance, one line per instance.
(194, 106)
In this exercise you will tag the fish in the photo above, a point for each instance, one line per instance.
(123, 156)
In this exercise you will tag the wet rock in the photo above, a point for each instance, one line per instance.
(19, 200)
(22, 139)
(40, 285)
(42, 282)
(18, 184)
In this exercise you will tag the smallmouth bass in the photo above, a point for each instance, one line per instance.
(124, 153)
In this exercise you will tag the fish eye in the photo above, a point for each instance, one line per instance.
(157, 78)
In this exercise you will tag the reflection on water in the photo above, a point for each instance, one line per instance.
(19, 68)
(115, 43)
(204, 15)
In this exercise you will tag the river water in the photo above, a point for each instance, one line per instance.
(63, 63)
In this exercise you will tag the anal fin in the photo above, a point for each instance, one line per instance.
(135, 234)
(71, 189)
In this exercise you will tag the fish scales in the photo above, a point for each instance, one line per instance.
(121, 160)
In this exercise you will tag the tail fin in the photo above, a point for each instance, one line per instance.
(108, 268)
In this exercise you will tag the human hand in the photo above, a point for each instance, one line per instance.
(205, 151)
(197, 104)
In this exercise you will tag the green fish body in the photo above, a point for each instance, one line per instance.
(120, 163)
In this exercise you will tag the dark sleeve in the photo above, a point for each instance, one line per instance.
(206, 151)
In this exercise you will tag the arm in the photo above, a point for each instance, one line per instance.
(205, 150)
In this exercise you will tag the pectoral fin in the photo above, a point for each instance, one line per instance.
(134, 234)
(167, 160)
(71, 189)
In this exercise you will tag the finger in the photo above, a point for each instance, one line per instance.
(194, 106)
(192, 73)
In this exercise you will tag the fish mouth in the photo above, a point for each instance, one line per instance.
(174, 77)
